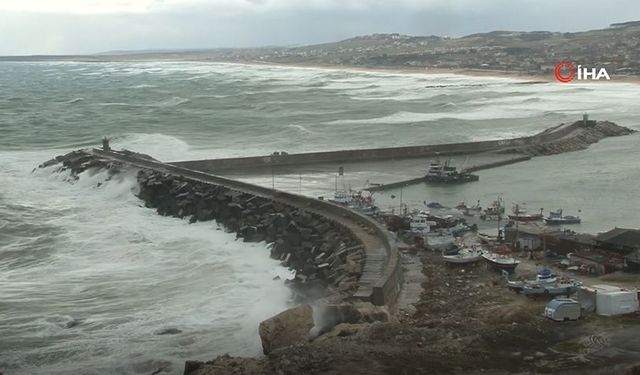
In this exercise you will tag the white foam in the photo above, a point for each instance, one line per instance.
(125, 272)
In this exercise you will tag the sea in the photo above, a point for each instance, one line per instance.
(92, 282)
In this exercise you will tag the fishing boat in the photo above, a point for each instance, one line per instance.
(544, 276)
(496, 208)
(341, 197)
(445, 173)
(501, 262)
(494, 211)
(546, 283)
(556, 218)
(464, 256)
(564, 286)
(520, 214)
(420, 222)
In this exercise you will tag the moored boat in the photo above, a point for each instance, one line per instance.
(520, 214)
(556, 218)
(445, 173)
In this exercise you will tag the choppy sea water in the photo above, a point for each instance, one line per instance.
(88, 276)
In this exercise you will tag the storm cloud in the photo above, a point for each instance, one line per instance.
(90, 26)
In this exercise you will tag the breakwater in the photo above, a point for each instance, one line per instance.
(561, 138)
(333, 250)
(391, 153)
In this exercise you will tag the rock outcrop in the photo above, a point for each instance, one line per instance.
(290, 327)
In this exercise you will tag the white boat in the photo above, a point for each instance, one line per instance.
(464, 256)
(420, 222)
(560, 287)
(341, 197)
(544, 276)
(556, 217)
(501, 262)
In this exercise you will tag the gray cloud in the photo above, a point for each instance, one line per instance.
(242, 23)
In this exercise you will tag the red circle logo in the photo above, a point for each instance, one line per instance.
(565, 71)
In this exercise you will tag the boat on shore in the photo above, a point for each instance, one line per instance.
(556, 218)
(544, 276)
(500, 261)
(559, 288)
(546, 283)
(464, 256)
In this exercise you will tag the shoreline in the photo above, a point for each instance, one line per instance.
(470, 72)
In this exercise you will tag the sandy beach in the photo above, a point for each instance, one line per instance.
(518, 75)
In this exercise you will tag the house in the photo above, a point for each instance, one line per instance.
(597, 261)
(524, 238)
(565, 242)
(620, 240)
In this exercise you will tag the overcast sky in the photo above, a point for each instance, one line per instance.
(90, 26)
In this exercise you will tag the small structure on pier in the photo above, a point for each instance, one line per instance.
(105, 144)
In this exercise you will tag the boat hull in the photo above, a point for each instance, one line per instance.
(453, 259)
(549, 290)
(510, 267)
(526, 218)
(561, 221)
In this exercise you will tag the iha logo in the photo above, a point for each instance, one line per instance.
(565, 72)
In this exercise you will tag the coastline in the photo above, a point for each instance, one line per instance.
(470, 72)
(517, 75)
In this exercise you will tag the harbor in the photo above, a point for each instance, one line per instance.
(504, 261)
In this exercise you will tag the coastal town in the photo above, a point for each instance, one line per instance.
(531, 53)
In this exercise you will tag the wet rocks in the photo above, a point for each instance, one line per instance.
(80, 161)
(578, 139)
(322, 253)
(290, 327)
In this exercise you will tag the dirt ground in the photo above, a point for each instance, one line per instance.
(466, 321)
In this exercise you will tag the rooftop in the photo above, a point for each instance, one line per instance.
(621, 237)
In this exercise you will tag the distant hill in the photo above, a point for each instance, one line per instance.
(616, 48)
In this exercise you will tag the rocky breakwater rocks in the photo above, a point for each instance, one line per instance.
(80, 161)
(579, 139)
(326, 257)
(77, 162)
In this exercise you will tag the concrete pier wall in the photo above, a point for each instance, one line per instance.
(216, 165)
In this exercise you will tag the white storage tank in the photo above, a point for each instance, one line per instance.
(561, 309)
(611, 300)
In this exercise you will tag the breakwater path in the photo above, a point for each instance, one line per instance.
(561, 138)
(379, 274)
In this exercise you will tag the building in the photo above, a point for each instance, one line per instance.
(565, 242)
(620, 240)
(524, 238)
(632, 262)
(597, 261)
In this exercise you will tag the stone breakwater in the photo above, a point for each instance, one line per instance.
(326, 257)
(581, 137)
(346, 266)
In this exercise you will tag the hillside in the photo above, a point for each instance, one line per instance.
(616, 48)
